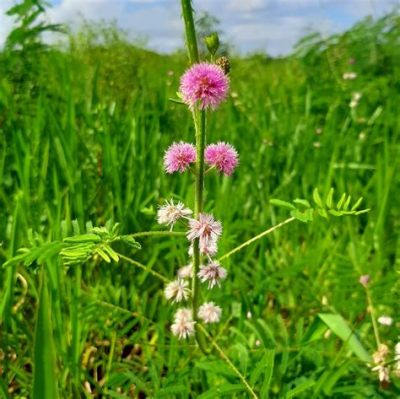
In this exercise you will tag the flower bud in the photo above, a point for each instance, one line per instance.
(212, 42)
(224, 64)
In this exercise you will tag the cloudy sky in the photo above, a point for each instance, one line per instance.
(251, 25)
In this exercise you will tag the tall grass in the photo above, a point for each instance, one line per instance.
(82, 134)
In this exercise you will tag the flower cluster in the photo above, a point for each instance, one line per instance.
(207, 231)
(221, 156)
(203, 87)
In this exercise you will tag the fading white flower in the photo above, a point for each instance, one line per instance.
(208, 247)
(381, 354)
(185, 271)
(170, 213)
(383, 373)
(213, 273)
(349, 76)
(183, 326)
(364, 280)
(355, 99)
(209, 312)
(385, 320)
(396, 368)
(177, 290)
(206, 229)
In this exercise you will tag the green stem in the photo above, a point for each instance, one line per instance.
(199, 118)
(139, 265)
(191, 41)
(225, 357)
(257, 237)
(373, 317)
(157, 233)
(200, 126)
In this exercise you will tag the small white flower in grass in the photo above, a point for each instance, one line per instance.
(364, 280)
(383, 373)
(213, 273)
(209, 312)
(381, 354)
(170, 213)
(177, 290)
(385, 320)
(185, 271)
(397, 359)
(206, 229)
(349, 76)
(183, 326)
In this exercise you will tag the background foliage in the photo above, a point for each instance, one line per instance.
(83, 130)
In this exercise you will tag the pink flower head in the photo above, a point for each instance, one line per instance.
(207, 229)
(222, 156)
(206, 84)
(179, 156)
(213, 273)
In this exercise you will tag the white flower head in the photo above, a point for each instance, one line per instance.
(207, 247)
(349, 76)
(177, 290)
(185, 271)
(213, 273)
(383, 373)
(209, 312)
(206, 229)
(385, 320)
(183, 326)
(170, 213)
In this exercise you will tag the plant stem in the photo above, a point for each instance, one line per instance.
(373, 318)
(157, 233)
(191, 41)
(257, 237)
(225, 357)
(200, 127)
(147, 269)
(199, 118)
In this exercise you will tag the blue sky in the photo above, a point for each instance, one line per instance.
(273, 26)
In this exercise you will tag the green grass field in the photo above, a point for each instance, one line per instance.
(83, 132)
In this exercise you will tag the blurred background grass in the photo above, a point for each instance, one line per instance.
(83, 130)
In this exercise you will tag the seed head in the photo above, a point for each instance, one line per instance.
(177, 290)
(213, 273)
(209, 312)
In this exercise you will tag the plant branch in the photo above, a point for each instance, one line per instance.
(257, 237)
(143, 267)
(225, 357)
(157, 233)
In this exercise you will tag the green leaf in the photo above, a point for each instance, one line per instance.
(264, 367)
(341, 202)
(329, 198)
(44, 361)
(171, 392)
(225, 389)
(357, 204)
(339, 327)
(282, 204)
(83, 238)
(299, 389)
(305, 217)
(303, 202)
(317, 198)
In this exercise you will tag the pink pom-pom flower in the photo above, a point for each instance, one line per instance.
(222, 156)
(204, 84)
(179, 156)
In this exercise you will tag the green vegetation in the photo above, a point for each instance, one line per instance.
(83, 130)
